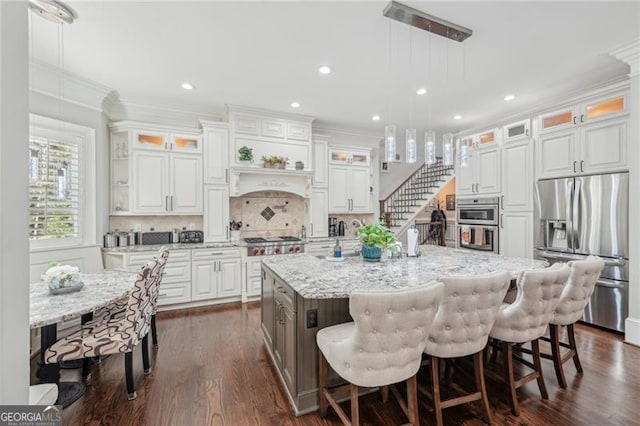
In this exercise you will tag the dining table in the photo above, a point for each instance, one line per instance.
(47, 310)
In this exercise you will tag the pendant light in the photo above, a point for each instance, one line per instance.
(430, 147)
(447, 149)
(411, 154)
(390, 145)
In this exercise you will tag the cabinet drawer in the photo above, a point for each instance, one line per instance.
(142, 258)
(285, 295)
(177, 272)
(215, 253)
(174, 293)
(254, 268)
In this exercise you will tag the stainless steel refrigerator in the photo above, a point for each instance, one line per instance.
(588, 215)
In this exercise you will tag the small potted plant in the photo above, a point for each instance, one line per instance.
(245, 154)
(376, 238)
(299, 165)
(62, 278)
(275, 161)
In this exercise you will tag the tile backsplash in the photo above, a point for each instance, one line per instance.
(268, 213)
(159, 223)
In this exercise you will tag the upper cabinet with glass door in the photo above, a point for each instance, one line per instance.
(354, 158)
(179, 142)
(516, 131)
(597, 109)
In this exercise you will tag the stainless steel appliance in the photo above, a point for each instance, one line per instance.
(477, 223)
(153, 237)
(273, 245)
(188, 237)
(342, 228)
(584, 216)
(333, 227)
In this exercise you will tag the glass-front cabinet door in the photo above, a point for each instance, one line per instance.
(150, 140)
(557, 120)
(604, 108)
(517, 130)
(186, 143)
(488, 137)
(360, 158)
(338, 156)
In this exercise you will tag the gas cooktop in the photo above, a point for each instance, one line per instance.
(259, 246)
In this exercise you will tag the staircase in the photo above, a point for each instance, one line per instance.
(401, 207)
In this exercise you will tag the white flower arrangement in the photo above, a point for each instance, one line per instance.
(61, 276)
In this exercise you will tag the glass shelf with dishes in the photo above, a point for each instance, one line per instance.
(120, 172)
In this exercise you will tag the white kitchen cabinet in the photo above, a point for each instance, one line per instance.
(320, 162)
(166, 183)
(318, 213)
(516, 234)
(478, 170)
(155, 170)
(216, 153)
(586, 138)
(215, 274)
(252, 278)
(516, 131)
(349, 181)
(216, 213)
(517, 175)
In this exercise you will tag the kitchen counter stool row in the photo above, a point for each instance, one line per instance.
(453, 317)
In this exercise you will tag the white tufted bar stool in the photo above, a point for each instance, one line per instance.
(461, 328)
(382, 346)
(526, 320)
(570, 307)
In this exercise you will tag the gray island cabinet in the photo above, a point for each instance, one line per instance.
(302, 294)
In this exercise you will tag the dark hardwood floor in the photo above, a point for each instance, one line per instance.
(212, 369)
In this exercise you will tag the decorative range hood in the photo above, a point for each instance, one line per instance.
(244, 180)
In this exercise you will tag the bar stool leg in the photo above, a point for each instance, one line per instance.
(412, 400)
(435, 380)
(480, 385)
(574, 348)
(507, 354)
(355, 413)
(556, 355)
(535, 349)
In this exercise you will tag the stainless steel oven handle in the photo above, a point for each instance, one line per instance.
(605, 282)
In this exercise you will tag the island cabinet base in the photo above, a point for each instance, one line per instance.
(289, 326)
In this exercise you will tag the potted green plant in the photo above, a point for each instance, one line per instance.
(275, 161)
(245, 154)
(375, 238)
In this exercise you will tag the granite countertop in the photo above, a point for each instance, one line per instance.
(100, 289)
(316, 278)
(330, 239)
(184, 246)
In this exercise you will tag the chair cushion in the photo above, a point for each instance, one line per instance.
(578, 291)
(466, 314)
(385, 342)
(528, 316)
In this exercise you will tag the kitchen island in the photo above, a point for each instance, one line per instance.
(302, 294)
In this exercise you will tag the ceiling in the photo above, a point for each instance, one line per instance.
(267, 55)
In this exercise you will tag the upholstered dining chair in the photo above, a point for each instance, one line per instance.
(112, 336)
(461, 328)
(116, 310)
(570, 307)
(382, 346)
(526, 320)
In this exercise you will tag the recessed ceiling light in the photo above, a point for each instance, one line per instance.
(509, 97)
(376, 118)
(421, 91)
(187, 86)
(295, 104)
(457, 117)
(325, 69)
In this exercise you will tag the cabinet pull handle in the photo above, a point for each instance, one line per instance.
(226, 178)
(574, 119)
(227, 228)
(166, 203)
(526, 132)
(502, 221)
(582, 118)
(312, 229)
(217, 253)
(581, 164)
(502, 201)
(574, 167)
(172, 203)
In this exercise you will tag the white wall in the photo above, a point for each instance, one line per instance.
(14, 249)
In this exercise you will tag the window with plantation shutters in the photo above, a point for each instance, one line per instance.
(54, 188)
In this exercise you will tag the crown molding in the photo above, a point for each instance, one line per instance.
(66, 86)
(346, 131)
(629, 54)
(175, 115)
(230, 108)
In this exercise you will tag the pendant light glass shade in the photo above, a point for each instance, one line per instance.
(390, 143)
(430, 147)
(447, 149)
(464, 152)
(411, 147)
